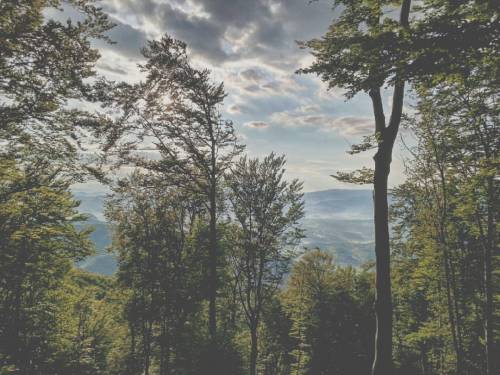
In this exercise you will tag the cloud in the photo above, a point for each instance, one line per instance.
(250, 45)
(309, 108)
(128, 40)
(353, 125)
(223, 31)
(256, 81)
(253, 75)
(237, 109)
(256, 124)
(203, 35)
(349, 126)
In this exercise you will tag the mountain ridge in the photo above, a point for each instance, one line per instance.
(337, 220)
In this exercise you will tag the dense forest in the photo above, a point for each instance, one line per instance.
(212, 277)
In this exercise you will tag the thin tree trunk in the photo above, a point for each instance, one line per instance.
(451, 287)
(488, 288)
(147, 351)
(212, 323)
(165, 349)
(131, 365)
(254, 349)
(451, 311)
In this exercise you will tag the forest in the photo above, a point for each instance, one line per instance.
(212, 276)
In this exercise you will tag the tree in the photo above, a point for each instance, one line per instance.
(177, 109)
(44, 65)
(366, 50)
(329, 307)
(37, 247)
(159, 264)
(466, 113)
(267, 210)
(88, 328)
(277, 344)
(442, 212)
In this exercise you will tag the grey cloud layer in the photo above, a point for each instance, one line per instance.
(224, 30)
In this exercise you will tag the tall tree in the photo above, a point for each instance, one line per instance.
(452, 174)
(366, 50)
(361, 58)
(267, 210)
(176, 112)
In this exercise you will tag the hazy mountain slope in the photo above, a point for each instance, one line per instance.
(337, 220)
(341, 221)
(103, 262)
(91, 203)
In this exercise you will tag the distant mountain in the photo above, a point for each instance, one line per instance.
(93, 205)
(341, 221)
(338, 220)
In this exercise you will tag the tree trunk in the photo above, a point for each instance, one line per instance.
(165, 349)
(451, 311)
(131, 363)
(212, 322)
(488, 313)
(254, 349)
(488, 288)
(382, 364)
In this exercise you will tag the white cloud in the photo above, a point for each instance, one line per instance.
(256, 124)
(348, 126)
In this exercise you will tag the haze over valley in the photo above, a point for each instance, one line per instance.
(337, 220)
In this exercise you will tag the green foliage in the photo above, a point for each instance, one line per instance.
(366, 48)
(361, 176)
(267, 210)
(196, 144)
(38, 244)
(330, 310)
(198, 233)
(446, 225)
(45, 64)
(160, 256)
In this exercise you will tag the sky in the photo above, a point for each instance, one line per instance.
(251, 46)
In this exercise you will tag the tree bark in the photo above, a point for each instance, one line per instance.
(382, 364)
(386, 135)
(488, 288)
(254, 349)
(451, 311)
(212, 320)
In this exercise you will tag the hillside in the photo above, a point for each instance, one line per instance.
(337, 220)
(340, 221)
